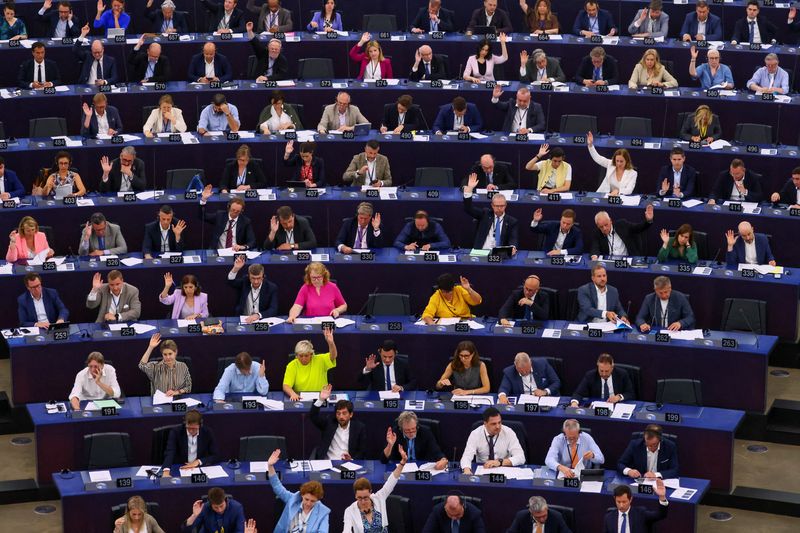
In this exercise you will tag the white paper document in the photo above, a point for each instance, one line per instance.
(623, 411)
(632, 200)
(388, 395)
(160, 398)
(551, 333)
(99, 475)
(350, 466)
(747, 207)
(549, 401)
(592, 486)
(691, 203)
(314, 465)
(683, 493)
(528, 398)
(309, 396)
(190, 402)
(684, 335)
(719, 144)
(761, 269)
(511, 472)
(131, 261)
(142, 472)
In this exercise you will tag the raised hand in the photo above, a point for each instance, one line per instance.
(12, 237)
(273, 224)
(197, 507)
(523, 58)
(403, 455)
(543, 150)
(274, 457)
(472, 181)
(289, 148)
(178, 228)
(417, 57)
(97, 281)
(85, 30)
(371, 362)
(503, 38)
(391, 437)
(328, 334)
(250, 526)
(155, 340)
(589, 138)
(661, 489)
(537, 215)
(238, 263)
(497, 91)
(325, 393)
(464, 282)
(664, 237)
(168, 280)
(105, 163)
(87, 110)
(731, 238)
(376, 221)
(364, 38)
(207, 192)
(693, 52)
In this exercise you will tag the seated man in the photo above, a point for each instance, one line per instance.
(38, 72)
(243, 376)
(416, 439)
(458, 116)
(620, 238)
(100, 119)
(288, 231)
(455, 509)
(100, 237)
(635, 518)
(98, 381)
(701, 25)
(308, 372)
(161, 236)
(539, 68)
(124, 174)
(451, 300)
(224, 17)
(597, 69)
(748, 248)
(650, 456)
(97, 68)
(598, 301)
(369, 168)
(40, 306)
(433, 18)
(665, 309)
(422, 234)
(116, 301)
(555, 175)
(342, 437)
(573, 450)
(492, 444)
(361, 232)
(737, 184)
(528, 376)
(560, 238)
(427, 65)
(10, 184)
(495, 227)
(677, 179)
(525, 303)
(258, 296)
(523, 117)
(650, 22)
(219, 115)
(389, 373)
(220, 511)
(789, 194)
(340, 116)
(272, 17)
(539, 515)
(490, 176)
(489, 15)
(402, 117)
(148, 65)
(594, 21)
(60, 23)
(607, 383)
(209, 66)
(231, 228)
(165, 19)
(754, 28)
(190, 445)
(770, 78)
(271, 64)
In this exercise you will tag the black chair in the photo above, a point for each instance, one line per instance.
(558, 366)
(158, 443)
(578, 124)
(669, 65)
(260, 447)
(179, 178)
(388, 304)
(47, 127)
(2, 131)
(107, 450)
(669, 436)
(446, 62)
(300, 109)
(633, 127)
(252, 62)
(474, 500)
(399, 510)
(499, 72)
(741, 314)
(489, 369)
(519, 430)
(683, 391)
(225, 362)
(315, 68)
(747, 133)
(118, 511)
(635, 373)
(681, 119)
(379, 22)
(433, 177)
(554, 302)
(567, 513)
(146, 110)
(433, 425)
(571, 310)
(47, 230)
(701, 241)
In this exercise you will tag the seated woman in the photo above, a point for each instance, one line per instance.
(466, 373)
(169, 375)
(302, 510)
(620, 174)
(26, 242)
(681, 247)
(64, 182)
(12, 28)
(451, 300)
(649, 72)
(540, 19)
(98, 381)
(480, 67)
(368, 514)
(318, 296)
(402, 117)
(136, 518)
(278, 115)
(113, 18)
(164, 119)
(308, 372)
(242, 174)
(373, 65)
(327, 19)
(308, 168)
(702, 126)
(189, 302)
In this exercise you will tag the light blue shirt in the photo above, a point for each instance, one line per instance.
(211, 121)
(723, 75)
(234, 382)
(761, 78)
(559, 452)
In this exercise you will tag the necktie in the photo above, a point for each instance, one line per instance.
(596, 75)
(99, 70)
(454, 526)
(151, 67)
(427, 70)
(272, 19)
(489, 178)
(412, 455)
(101, 243)
(771, 80)
(497, 227)
(360, 234)
(573, 453)
(528, 313)
(388, 378)
(538, 527)
(605, 389)
(752, 24)
(624, 527)
(434, 26)
(491, 447)
(40, 74)
(229, 234)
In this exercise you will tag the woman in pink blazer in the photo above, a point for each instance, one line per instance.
(373, 65)
(480, 67)
(189, 302)
(26, 242)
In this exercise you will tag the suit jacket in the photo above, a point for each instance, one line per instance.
(523, 523)
(446, 117)
(573, 242)
(500, 177)
(114, 241)
(317, 168)
(25, 76)
(741, 31)
(689, 130)
(687, 181)
(347, 235)
(439, 522)
(635, 456)
(423, 20)
(284, 21)
(330, 118)
(591, 386)
(138, 182)
(500, 21)
(383, 171)
(14, 187)
(244, 229)
(53, 306)
(605, 22)
(413, 121)
(587, 302)
(137, 60)
(426, 449)
(222, 68)
(438, 70)
(357, 444)
(151, 242)
(360, 56)
(724, 185)
(376, 380)
(303, 236)
(540, 310)
(177, 300)
(434, 235)
(713, 26)
(737, 255)
(543, 374)
(660, 25)
(639, 519)
(280, 67)
(177, 450)
(534, 118)
(114, 123)
(586, 70)
(509, 235)
(84, 56)
(217, 12)
(155, 122)
(678, 310)
(254, 176)
(788, 192)
(129, 307)
(553, 70)
(267, 299)
(51, 20)
(624, 230)
(157, 17)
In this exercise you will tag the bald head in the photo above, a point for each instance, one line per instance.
(426, 53)
(97, 49)
(487, 163)
(209, 51)
(453, 508)
(154, 51)
(746, 232)
(523, 98)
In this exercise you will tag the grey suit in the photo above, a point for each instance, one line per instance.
(553, 70)
(114, 242)
(129, 307)
(587, 302)
(330, 118)
(660, 26)
(382, 170)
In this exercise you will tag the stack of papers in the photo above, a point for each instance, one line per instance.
(142, 472)
(132, 261)
(212, 472)
(510, 472)
(388, 395)
(762, 269)
(623, 411)
(96, 405)
(272, 321)
(148, 195)
(605, 327)
(691, 203)
(99, 475)
(350, 466)
(410, 468)
(682, 493)
(551, 333)
(719, 144)
(684, 335)
(269, 405)
(7, 269)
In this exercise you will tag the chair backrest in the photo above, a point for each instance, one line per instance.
(446, 62)
(252, 63)
(118, 511)
(747, 133)
(179, 178)
(571, 310)
(399, 510)
(2, 131)
(47, 126)
(434, 426)
(107, 450)
(379, 22)
(669, 436)
(224, 362)
(633, 127)
(433, 177)
(146, 110)
(474, 500)
(669, 65)
(554, 302)
(683, 391)
(578, 124)
(499, 72)
(315, 68)
(158, 444)
(635, 373)
(47, 230)
(388, 304)
(742, 314)
(301, 110)
(681, 118)
(259, 447)
(558, 366)
(701, 240)
(567, 513)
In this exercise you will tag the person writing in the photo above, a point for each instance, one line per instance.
(451, 300)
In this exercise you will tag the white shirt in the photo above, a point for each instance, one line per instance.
(360, 241)
(41, 313)
(372, 71)
(370, 171)
(251, 305)
(225, 21)
(602, 303)
(401, 119)
(2, 184)
(278, 121)
(664, 317)
(85, 387)
(735, 194)
(488, 19)
(520, 118)
(224, 234)
(164, 239)
(191, 453)
(701, 27)
(93, 72)
(559, 245)
(609, 383)
(392, 378)
(102, 123)
(750, 256)
(627, 522)
(209, 69)
(652, 460)
(506, 446)
(342, 119)
(490, 242)
(458, 121)
(616, 246)
(528, 382)
(340, 443)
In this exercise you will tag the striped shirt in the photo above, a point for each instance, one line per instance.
(164, 378)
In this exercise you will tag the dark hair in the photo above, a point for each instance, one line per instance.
(333, 11)
(277, 96)
(389, 345)
(216, 495)
(445, 282)
(459, 103)
(795, 170)
(490, 412)
(568, 213)
(2, 159)
(656, 4)
(11, 6)
(605, 358)
(243, 361)
(405, 100)
(61, 154)
(97, 218)
(677, 151)
(344, 404)
(481, 44)
(653, 430)
(193, 417)
(465, 346)
(166, 208)
(375, 145)
(622, 490)
(308, 147)
(114, 274)
(362, 483)
(753, 3)
(218, 99)
(421, 214)
(557, 152)
(190, 278)
(235, 200)
(701, 3)
(30, 276)
(285, 212)
(737, 163)
(684, 228)
(37, 44)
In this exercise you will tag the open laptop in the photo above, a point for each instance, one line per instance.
(484, 30)
(362, 128)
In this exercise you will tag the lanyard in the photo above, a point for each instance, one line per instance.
(374, 67)
(164, 241)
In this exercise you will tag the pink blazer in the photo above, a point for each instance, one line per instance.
(472, 67)
(177, 299)
(357, 55)
(20, 251)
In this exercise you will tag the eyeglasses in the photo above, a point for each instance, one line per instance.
(317, 277)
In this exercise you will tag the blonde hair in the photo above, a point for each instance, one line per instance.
(702, 116)
(27, 221)
(652, 52)
(377, 45)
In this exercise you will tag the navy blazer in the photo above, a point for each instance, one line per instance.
(84, 56)
(151, 243)
(138, 182)
(763, 252)
(317, 168)
(439, 522)
(540, 310)
(635, 457)
(591, 386)
(423, 20)
(500, 21)
(627, 231)
(678, 310)
(114, 123)
(434, 235)
(254, 176)
(267, 299)
(534, 118)
(438, 70)
(53, 306)
(722, 188)
(244, 229)
(573, 242)
(51, 20)
(25, 76)
(586, 70)
(376, 380)
(280, 67)
(605, 22)
(217, 11)
(157, 17)
(426, 449)
(357, 443)
(13, 185)
(713, 27)
(347, 234)
(788, 193)
(177, 449)
(587, 302)
(687, 182)
(509, 235)
(222, 68)
(523, 523)
(741, 31)
(543, 374)
(413, 121)
(446, 117)
(639, 519)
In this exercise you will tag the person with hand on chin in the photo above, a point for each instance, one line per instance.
(369, 513)
(98, 381)
(168, 375)
(303, 510)
(308, 372)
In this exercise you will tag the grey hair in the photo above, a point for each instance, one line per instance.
(522, 357)
(661, 282)
(365, 208)
(539, 55)
(129, 150)
(771, 55)
(406, 417)
(600, 215)
(537, 504)
(304, 347)
(571, 423)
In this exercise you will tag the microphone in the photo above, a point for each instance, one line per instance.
(749, 325)
(716, 256)
(405, 184)
(628, 309)
(653, 316)
(363, 307)
(202, 226)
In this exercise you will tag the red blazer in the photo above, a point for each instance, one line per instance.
(20, 251)
(357, 55)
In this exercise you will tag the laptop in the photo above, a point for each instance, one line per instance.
(502, 251)
(362, 128)
(484, 30)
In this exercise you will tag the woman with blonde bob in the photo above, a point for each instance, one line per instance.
(26, 242)
(703, 125)
(318, 296)
(136, 519)
(649, 72)
(620, 175)
(374, 66)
